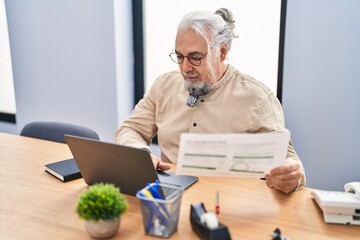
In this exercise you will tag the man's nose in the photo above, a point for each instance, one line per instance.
(186, 65)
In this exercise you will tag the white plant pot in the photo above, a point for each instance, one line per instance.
(102, 229)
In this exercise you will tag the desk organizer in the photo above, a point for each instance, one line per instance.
(203, 231)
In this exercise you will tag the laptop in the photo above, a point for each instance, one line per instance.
(128, 168)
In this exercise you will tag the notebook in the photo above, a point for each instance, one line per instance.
(128, 168)
(65, 170)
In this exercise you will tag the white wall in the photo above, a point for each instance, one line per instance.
(65, 62)
(321, 88)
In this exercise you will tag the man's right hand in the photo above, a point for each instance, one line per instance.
(158, 164)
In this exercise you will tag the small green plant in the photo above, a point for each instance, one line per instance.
(102, 201)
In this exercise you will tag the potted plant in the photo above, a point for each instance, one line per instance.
(101, 206)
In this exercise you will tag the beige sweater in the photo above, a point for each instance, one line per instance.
(237, 103)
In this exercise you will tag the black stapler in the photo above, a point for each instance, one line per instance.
(202, 230)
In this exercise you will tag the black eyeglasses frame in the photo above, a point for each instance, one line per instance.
(189, 57)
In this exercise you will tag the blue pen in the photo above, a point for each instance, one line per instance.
(149, 222)
(154, 189)
(154, 207)
(157, 190)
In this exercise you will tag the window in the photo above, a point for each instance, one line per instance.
(257, 52)
(7, 93)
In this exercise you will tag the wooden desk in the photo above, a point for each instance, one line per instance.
(35, 205)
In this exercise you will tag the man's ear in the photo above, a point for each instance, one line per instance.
(223, 52)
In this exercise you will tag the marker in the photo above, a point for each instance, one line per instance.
(217, 206)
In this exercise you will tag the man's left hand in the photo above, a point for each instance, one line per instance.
(285, 178)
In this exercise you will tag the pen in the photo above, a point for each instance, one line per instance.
(149, 222)
(217, 207)
(153, 207)
(154, 190)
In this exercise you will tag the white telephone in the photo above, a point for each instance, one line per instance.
(340, 207)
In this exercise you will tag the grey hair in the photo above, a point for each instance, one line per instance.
(217, 29)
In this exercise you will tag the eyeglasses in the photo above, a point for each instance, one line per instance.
(194, 58)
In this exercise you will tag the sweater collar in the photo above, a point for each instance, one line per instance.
(224, 79)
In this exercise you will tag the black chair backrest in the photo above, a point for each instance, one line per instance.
(55, 131)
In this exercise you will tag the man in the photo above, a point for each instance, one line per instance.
(207, 95)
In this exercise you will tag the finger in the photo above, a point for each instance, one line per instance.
(285, 185)
(164, 166)
(289, 176)
(285, 169)
(268, 180)
(158, 164)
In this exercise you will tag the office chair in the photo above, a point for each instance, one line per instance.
(55, 131)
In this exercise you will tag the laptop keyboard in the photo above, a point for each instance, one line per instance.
(168, 191)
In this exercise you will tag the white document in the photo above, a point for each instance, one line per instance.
(241, 155)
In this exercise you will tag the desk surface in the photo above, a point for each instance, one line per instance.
(35, 205)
